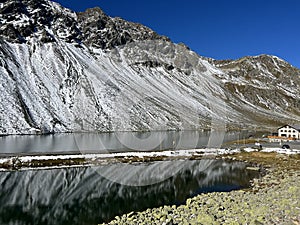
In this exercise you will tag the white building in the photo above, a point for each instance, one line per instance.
(289, 131)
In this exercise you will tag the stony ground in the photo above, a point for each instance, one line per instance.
(272, 199)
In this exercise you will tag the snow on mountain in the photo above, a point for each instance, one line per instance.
(62, 71)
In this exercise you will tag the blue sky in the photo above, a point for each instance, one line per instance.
(221, 29)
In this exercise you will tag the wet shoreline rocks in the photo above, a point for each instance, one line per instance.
(272, 199)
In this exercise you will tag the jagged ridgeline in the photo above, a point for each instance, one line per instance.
(62, 71)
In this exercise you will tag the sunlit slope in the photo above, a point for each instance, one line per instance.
(62, 71)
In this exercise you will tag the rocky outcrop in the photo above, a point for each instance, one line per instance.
(102, 31)
(49, 22)
(43, 20)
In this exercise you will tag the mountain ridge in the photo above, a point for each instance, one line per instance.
(63, 71)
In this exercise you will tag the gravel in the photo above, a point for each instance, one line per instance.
(272, 199)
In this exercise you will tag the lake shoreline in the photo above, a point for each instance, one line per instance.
(46, 161)
(272, 199)
(86, 159)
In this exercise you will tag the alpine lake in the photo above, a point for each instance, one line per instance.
(95, 194)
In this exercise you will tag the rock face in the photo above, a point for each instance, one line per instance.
(63, 71)
(47, 21)
(102, 31)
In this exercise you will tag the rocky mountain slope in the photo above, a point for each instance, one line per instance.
(263, 88)
(62, 71)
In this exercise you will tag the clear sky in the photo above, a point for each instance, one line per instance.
(221, 29)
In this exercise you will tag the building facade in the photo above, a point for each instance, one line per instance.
(289, 131)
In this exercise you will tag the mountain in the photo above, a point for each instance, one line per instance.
(62, 71)
(264, 88)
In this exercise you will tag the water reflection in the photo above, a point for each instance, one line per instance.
(90, 195)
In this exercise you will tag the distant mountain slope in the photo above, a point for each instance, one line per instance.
(62, 71)
(264, 88)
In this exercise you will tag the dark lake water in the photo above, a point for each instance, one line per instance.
(90, 195)
(116, 142)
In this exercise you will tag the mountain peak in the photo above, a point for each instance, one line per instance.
(48, 21)
(95, 11)
(149, 83)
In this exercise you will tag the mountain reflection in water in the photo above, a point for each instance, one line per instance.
(90, 195)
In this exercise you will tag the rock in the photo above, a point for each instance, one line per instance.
(252, 168)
